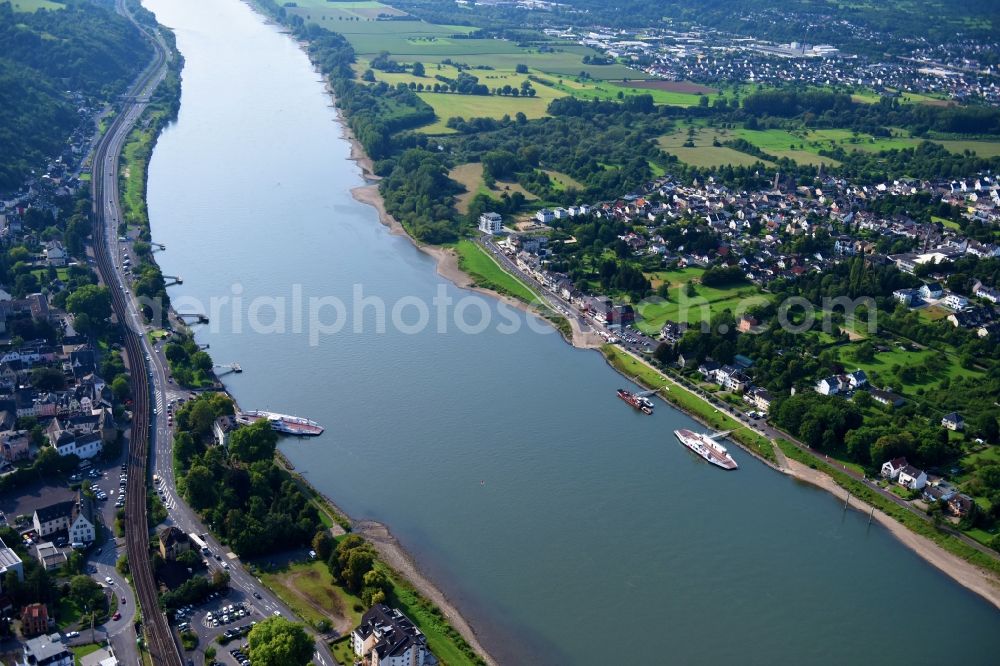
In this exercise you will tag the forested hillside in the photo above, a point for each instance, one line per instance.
(52, 63)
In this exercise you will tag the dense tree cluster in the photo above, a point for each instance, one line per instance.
(252, 504)
(85, 48)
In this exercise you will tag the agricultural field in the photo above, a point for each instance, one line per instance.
(707, 301)
(587, 90)
(449, 105)
(471, 176)
(34, 5)
(980, 148)
(703, 153)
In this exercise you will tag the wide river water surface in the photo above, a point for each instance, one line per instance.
(567, 528)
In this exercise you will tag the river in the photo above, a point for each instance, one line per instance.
(565, 526)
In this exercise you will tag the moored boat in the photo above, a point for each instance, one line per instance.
(707, 448)
(283, 423)
(644, 405)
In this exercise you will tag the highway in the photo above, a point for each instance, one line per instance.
(151, 435)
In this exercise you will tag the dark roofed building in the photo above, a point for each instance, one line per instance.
(388, 638)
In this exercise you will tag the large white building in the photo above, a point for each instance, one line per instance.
(490, 223)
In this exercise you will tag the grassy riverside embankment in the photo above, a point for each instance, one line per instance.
(309, 590)
(488, 274)
(693, 404)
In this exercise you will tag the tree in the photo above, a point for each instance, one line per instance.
(418, 69)
(47, 379)
(120, 387)
(279, 642)
(85, 592)
(253, 442)
(92, 301)
(323, 544)
(200, 487)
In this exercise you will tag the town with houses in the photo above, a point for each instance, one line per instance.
(957, 71)
(752, 229)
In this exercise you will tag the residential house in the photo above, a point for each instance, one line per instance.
(931, 290)
(953, 421)
(960, 505)
(892, 468)
(907, 297)
(83, 446)
(912, 478)
(490, 223)
(747, 324)
(14, 445)
(173, 542)
(972, 317)
(857, 379)
(760, 398)
(545, 216)
(386, 637)
(672, 332)
(49, 556)
(53, 518)
(955, 301)
(828, 386)
(46, 650)
(83, 528)
(223, 428)
(34, 620)
(989, 293)
(55, 253)
(886, 397)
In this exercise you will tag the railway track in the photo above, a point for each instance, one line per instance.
(160, 640)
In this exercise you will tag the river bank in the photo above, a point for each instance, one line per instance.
(980, 581)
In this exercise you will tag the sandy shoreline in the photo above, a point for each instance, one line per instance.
(964, 573)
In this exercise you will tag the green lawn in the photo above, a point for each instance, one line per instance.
(706, 303)
(309, 590)
(81, 651)
(488, 274)
(587, 89)
(883, 363)
(442, 639)
(470, 175)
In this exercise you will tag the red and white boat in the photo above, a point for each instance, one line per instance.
(644, 405)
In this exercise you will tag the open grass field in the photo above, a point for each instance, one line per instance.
(449, 105)
(308, 589)
(471, 176)
(980, 148)
(707, 302)
(33, 5)
(881, 371)
(607, 90)
(704, 154)
(562, 181)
